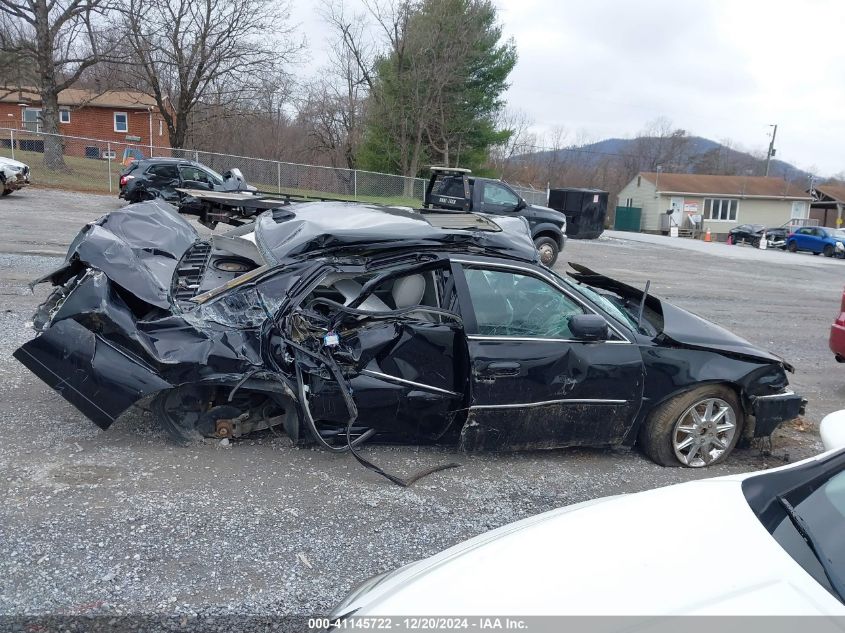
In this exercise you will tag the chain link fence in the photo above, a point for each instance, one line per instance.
(95, 165)
(532, 196)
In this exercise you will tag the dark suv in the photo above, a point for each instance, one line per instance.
(160, 177)
(455, 189)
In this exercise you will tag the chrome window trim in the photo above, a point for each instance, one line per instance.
(410, 383)
(553, 282)
(548, 402)
(495, 337)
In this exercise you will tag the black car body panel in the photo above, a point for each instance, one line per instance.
(86, 370)
(692, 330)
(360, 319)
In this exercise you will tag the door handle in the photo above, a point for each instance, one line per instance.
(499, 368)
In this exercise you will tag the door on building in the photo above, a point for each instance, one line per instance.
(676, 204)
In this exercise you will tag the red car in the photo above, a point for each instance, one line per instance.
(837, 333)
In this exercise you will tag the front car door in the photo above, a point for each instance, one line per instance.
(496, 198)
(196, 178)
(532, 384)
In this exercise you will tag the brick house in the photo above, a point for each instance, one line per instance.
(113, 120)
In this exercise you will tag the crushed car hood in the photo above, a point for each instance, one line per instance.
(137, 247)
(678, 325)
(690, 329)
(15, 164)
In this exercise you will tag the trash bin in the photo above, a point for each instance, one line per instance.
(585, 210)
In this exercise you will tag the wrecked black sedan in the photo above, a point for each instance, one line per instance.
(343, 322)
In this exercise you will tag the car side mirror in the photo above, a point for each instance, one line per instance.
(520, 205)
(588, 327)
(227, 174)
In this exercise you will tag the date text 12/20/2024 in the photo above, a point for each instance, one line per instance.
(419, 623)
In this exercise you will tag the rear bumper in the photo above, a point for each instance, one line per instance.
(93, 375)
(771, 411)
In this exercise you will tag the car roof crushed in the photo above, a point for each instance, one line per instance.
(343, 227)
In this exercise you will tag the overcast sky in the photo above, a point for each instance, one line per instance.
(722, 69)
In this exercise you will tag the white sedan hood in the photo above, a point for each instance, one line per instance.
(15, 164)
(694, 548)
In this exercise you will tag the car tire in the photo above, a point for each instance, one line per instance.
(6, 192)
(755, 242)
(548, 250)
(792, 247)
(662, 439)
(828, 250)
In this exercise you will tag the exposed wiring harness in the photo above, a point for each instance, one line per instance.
(329, 362)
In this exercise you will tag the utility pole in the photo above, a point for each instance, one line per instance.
(771, 151)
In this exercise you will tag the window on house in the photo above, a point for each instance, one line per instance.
(720, 209)
(32, 119)
(64, 116)
(799, 210)
(121, 122)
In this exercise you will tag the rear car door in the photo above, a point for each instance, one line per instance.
(532, 384)
(407, 373)
(164, 178)
(815, 240)
(805, 238)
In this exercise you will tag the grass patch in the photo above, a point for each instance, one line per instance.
(91, 175)
(82, 174)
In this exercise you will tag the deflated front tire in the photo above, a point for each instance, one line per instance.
(694, 429)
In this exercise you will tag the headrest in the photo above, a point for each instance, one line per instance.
(408, 291)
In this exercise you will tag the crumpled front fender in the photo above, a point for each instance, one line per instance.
(93, 375)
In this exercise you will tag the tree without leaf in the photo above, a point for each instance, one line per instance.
(59, 39)
(333, 108)
(185, 52)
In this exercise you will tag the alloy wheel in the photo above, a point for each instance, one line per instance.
(704, 432)
(546, 254)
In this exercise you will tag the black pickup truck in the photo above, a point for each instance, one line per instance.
(454, 188)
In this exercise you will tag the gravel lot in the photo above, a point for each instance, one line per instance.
(122, 522)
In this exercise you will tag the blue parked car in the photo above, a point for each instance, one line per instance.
(817, 239)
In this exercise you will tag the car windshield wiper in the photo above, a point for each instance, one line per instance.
(804, 530)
